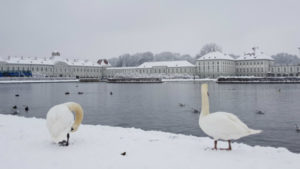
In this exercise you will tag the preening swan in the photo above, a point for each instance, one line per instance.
(221, 125)
(60, 121)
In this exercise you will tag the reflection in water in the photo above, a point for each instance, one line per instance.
(158, 106)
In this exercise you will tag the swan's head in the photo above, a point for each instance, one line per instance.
(204, 89)
(77, 109)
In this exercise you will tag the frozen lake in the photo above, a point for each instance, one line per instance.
(156, 106)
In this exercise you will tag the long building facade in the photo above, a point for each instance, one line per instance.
(254, 63)
(164, 69)
(54, 66)
(211, 65)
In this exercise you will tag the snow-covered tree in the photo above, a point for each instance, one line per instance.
(210, 47)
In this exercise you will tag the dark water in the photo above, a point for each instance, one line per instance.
(155, 106)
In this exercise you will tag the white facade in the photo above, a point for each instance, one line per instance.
(155, 69)
(211, 65)
(285, 70)
(55, 66)
(254, 63)
(215, 64)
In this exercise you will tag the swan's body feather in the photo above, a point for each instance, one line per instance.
(221, 125)
(225, 126)
(59, 122)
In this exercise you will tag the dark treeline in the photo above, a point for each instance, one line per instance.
(127, 60)
(286, 59)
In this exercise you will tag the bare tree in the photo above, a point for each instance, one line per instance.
(210, 47)
(126, 60)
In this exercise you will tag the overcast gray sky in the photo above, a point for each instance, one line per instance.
(108, 28)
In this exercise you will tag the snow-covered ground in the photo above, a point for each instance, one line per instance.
(26, 144)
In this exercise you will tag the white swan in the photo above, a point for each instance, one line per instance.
(60, 121)
(221, 125)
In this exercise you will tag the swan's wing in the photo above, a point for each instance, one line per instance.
(236, 120)
(222, 125)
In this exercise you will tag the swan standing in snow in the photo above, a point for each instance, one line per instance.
(221, 125)
(60, 121)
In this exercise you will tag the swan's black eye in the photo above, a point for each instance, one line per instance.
(72, 129)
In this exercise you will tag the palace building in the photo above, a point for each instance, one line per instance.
(54, 66)
(254, 63)
(155, 69)
(211, 65)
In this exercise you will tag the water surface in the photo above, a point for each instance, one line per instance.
(156, 106)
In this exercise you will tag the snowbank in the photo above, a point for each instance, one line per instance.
(25, 143)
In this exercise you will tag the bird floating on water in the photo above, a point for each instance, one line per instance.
(221, 125)
(181, 104)
(17, 95)
(111, 93)
(26, 108)
(60, 121)
(80, 92)
(297, 128)
(260, 112)
(67, 93)
(15, 107)
(195, 110)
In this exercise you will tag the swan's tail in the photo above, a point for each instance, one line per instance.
(251, 131)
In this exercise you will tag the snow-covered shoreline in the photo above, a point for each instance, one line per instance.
(76, 80)
(37, 81)
(25, 143)
(188, 80)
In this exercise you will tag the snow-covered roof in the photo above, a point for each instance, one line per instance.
(120, 68)
(180, 63)
(51, 61)
(256, 54)
(2, 60)
(216, 56)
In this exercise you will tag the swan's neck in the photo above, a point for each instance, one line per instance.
(205, 103)
(76, 108)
